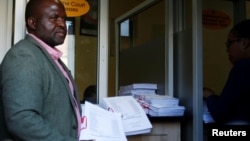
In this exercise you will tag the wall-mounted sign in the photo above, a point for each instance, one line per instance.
(76, 8)
(215, 19)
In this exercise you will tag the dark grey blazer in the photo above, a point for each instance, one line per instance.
(38, 104)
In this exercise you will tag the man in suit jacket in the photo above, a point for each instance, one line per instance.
(39, 97)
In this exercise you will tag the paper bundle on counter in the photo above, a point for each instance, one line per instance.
(162, 110)
(137, 91)
(152, 103)
(160, 105)
(138, 88)
(164, 100)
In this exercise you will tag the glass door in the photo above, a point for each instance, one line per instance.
(142, 52)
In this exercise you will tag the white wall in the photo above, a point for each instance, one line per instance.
(6, 16)
(19, 25)
(5, 26)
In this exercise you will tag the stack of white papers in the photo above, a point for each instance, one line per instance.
(161, 110)
(160, 105)
(137, 91)
(134, 119)
(162, 100)
(101, 125)
(138, 88)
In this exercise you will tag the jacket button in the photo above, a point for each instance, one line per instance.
(74, 127)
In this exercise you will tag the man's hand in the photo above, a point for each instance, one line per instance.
(207, 92)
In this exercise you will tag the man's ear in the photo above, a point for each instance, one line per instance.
(31, 21)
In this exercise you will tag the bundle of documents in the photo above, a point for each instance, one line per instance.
(113, 120)
(138, 88)
(160, 105)
(134, 119)
(101, 125)
(164, 100)
(163, 110)
(137, 91)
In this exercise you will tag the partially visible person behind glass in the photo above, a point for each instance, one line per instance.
(232, 105)
(90, 94)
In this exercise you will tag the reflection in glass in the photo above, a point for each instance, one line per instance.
(142, 53)
(68, 47)
(124, 28)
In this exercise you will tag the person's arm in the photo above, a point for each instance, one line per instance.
(207, 92)
(238, 82)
